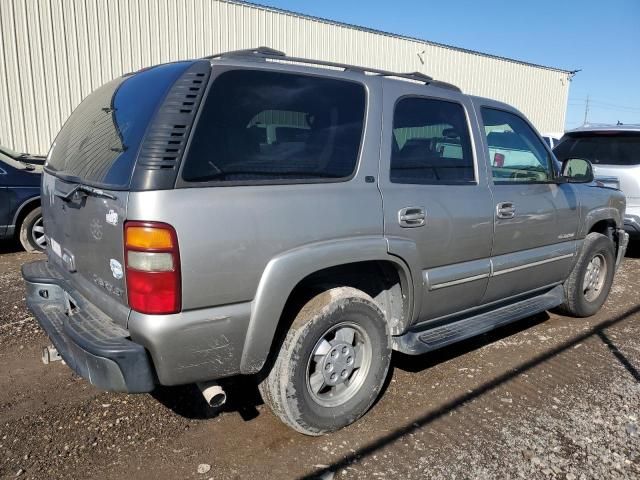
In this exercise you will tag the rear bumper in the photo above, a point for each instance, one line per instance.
(91, 343)
(623, 243)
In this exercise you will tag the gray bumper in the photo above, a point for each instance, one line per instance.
(623, 242)
(92, 345)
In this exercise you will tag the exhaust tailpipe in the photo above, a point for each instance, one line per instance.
(213, 394)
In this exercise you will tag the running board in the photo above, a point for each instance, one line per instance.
(426, 339)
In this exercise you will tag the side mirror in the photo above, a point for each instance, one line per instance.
(576, 170)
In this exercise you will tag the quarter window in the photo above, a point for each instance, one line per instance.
(516, 153)
(431, 143)
(271, 127)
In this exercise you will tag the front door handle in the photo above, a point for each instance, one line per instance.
(506, 210)
(411, 217)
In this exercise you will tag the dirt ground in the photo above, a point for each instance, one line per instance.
(548, 397)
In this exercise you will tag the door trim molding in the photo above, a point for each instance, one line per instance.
(495, 273)
(459, 281)
(531, 264)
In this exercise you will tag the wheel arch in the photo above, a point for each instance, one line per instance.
(597, 218)
(23, 210)
(344, 262)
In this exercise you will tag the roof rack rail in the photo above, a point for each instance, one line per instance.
(247, 52)
(266, 53)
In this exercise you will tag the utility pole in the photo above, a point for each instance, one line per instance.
(586, 110)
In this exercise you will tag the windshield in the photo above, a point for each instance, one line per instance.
(99, 142)
(608, 148)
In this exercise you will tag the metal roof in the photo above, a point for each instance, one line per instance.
(395, 35)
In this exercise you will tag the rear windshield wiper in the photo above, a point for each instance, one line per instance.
(86, 189)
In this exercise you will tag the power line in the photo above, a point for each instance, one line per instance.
(592, 102)
(586, 110)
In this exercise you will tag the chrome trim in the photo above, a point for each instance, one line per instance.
(532, 264)
(459, 282)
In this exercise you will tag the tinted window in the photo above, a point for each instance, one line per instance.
(516, 153)
(99, 142)
(259, 126)
(431, 143)
(601, 148)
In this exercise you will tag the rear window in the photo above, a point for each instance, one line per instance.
(271, 127)
(601, 148)
(99, 142)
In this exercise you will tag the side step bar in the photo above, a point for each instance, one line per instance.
(426, 339)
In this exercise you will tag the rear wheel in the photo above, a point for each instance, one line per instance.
(31, 231)
(332, 364)
(588, 286)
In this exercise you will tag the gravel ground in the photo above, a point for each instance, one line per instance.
(548, 397)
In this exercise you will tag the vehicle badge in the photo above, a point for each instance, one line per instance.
(116, 269)
(112, 217)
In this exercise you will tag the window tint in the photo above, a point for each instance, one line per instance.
(516, 153)
(601, 148)
(259, 126)
(431, 143)
(99, 142)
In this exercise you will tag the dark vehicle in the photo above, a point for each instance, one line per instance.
(20, 213)
(23, 157)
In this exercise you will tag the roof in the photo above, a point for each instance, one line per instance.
(603, 127)
(266, 53)
(394, 35)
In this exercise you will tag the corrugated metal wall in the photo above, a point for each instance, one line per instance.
(54, 52)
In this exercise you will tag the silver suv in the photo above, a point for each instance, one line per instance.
(614, 151)
(257, 214)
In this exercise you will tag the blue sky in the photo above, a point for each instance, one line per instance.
(602, 38)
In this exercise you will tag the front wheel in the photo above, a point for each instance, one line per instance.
(332, 364)
(588, 286)
(32, 237)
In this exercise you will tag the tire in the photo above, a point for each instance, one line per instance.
(31, 232)
(584, 298)
(324, 325)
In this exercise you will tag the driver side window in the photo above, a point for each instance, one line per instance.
(516, 153)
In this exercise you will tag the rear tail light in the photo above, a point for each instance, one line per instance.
(152, 262)
(498, 160)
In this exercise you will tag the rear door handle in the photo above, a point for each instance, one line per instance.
(411, 217)
(506, 210)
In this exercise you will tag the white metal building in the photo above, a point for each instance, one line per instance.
(54, 52)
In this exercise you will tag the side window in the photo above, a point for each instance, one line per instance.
(272, 127)
(431, 143)
(516, 153)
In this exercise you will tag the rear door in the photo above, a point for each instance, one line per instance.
(535, 219)
(86, 183)
(437, 204)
